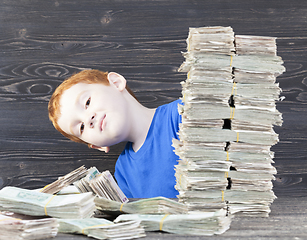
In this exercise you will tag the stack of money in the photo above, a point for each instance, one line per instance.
(18, 229)
(83, 184)
(157, 205)
(256, 91)
(34, 203)
(200, 174)
(102, 184)
(227, 122)
(65, 181)
(88, 180)
(204, 224)
(101, 228)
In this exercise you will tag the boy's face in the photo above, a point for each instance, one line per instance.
(95, 113)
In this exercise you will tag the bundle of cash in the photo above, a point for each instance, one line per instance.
(83, 184)
(34, 203)
(212, 39)
(102, 184)
(248, 45)
(205, 224)
(157, 205)
(88, 180)
(227, 122)
(18, 229)
(65, 181)
(101, 228)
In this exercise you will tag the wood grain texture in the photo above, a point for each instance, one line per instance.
(44, 42)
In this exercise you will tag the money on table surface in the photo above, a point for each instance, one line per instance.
(102, 228)
(34, 203)
(102, 184)
(83, 183)
(65, 181)
(205, 224)
(88, 180)
(157, 205)
(18, 229)
(105, 186)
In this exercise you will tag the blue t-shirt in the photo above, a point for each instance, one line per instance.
(150, 172)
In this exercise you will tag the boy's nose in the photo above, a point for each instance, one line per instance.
(92, 120)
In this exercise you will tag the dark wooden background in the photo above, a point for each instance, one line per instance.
(43, 42)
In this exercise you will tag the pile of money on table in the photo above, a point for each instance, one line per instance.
(64, 206)
(228, 114)
(84, 197)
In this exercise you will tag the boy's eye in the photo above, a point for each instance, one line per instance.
(87, 103)
(81, 128)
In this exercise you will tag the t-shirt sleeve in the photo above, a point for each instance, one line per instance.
(176, 117)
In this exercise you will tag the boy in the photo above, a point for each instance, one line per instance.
(98, 109)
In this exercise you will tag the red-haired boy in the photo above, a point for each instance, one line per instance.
(98, 109)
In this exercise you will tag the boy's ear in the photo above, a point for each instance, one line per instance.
(103, 149)
(117, 80)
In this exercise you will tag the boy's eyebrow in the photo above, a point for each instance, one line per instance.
(78, 96)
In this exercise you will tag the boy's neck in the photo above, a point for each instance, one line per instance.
(141, 122)
(148, 116)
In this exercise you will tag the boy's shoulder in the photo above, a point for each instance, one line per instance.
(172, 104)
(167, 112)
(167, 116)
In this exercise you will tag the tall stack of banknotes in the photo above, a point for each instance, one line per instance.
(228, 114)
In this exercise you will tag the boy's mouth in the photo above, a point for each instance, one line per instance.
(102, 123)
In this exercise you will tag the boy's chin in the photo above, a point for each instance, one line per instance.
(103, 149)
